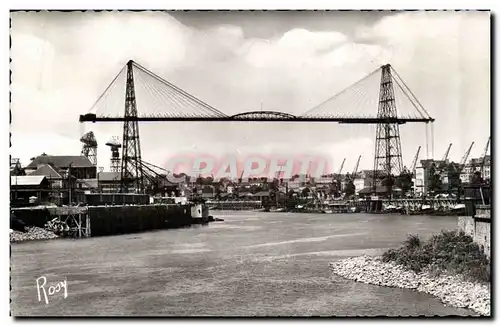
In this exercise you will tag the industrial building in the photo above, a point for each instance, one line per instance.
(108, 182)
(26, 190)
(69, 177)
(446, 177)
(81, 167)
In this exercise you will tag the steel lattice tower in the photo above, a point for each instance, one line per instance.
(89, 148)
(131, 173)
(115, 146)
(388, 154)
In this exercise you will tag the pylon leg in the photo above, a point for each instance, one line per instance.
(388, 161)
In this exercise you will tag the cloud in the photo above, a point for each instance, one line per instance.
(62, 62)
(444, 58)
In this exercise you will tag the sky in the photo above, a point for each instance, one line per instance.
(248, 61)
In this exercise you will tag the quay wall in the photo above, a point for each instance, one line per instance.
(110, 220)
(478, 227)
(39, 215)
(235, 205)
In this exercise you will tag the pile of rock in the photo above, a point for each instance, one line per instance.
(32, 233)
(450, 290)
(57, 227)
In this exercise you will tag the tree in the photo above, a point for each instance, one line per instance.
(435, 183)
(350, 188)
(217, 193)
(477, 179)
(388, 181)
(404, 181)
(265, 184)
(335, 189)
(273, 187)
(473, 166)
(454, 181)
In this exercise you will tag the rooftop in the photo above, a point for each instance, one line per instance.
(89, 183)
(47, 171)
(60, 161)
(27, 180)
(109, 176)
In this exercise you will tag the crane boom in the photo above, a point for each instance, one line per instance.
(445, 157)
(341, 167)
(356, 167)
(414, 163)
(241, 177)
(485, 150)
(465, 157)
(483, 158)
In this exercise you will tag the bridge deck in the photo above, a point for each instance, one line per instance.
(93, 118)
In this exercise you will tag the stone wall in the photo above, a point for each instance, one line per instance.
(466, 224)
(478, 227)
(482, 236)
(482, 227)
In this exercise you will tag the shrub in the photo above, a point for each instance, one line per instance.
(449, 251)
(412, 242)
(389, 255)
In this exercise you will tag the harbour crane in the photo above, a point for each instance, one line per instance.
(115, 145)
(355, 171)
(241, 177)
(413, 166)
(413, 170)
(483, 158)
(341, 167)
(89, 148)
(445, 157)
(442, 166)
(464, 159)
(337, 179)
(156, 180)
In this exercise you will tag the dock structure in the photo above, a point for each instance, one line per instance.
(87, 221)
(408, 205)
(76, 218)
(413, 203)
(235, 204)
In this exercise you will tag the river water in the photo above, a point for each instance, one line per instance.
(252, 264)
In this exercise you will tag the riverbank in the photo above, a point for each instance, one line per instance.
(32, 233)
(451, 290)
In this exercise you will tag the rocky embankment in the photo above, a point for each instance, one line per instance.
(32, 233)
(451, 290)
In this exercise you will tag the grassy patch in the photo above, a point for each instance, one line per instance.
(449, 251)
